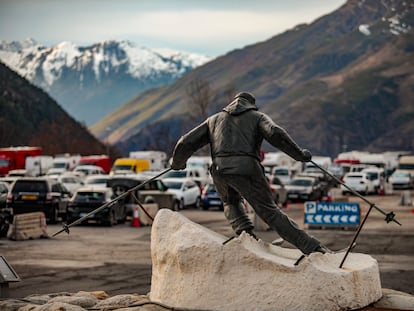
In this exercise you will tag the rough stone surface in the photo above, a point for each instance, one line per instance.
(391, 300)
(191, 268)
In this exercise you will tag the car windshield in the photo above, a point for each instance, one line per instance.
(97, 181)
(354, 176)
(400, 174)
(89, 196)
(301, 182)
(125, 167)
(173, 184)
(4, 163)
(211, 188)
(29, 186)
(281, 172)
(59, 165)
(176, 174)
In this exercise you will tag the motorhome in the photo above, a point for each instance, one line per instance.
(63, 163)
(38, 165)
(406, 163)
(129, 165)
(157, 159)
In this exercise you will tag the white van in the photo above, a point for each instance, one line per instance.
(377, 176)
(359, 182)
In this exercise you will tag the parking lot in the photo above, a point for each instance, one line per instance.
(118, 260)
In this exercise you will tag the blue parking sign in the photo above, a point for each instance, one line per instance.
(332, 213)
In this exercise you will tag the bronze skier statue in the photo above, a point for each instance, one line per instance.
(235, 136)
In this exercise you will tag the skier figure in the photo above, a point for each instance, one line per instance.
(235, 136)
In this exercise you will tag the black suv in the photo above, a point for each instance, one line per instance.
(38, 195)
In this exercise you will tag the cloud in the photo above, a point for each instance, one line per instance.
(195, 25)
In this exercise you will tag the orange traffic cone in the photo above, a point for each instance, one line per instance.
(135, 219)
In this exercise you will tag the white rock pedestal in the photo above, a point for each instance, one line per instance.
(191, 268)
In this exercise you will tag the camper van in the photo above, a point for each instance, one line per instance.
(157, 159)
(406, 163)
(129, 165)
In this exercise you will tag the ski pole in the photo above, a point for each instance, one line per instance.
(78, 221)
(388, 216)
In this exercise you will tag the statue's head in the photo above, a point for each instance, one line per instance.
(246, 95)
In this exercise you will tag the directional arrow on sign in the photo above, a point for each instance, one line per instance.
(318, 218)
(353, 218)
(335, 218)
(344, 218)
(327, 218)
(309, 218)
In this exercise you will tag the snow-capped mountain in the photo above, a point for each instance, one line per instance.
(89, 82)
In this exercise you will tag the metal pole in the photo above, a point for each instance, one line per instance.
(78, 221)
(388, 216)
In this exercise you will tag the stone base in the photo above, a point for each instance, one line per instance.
(191, 268)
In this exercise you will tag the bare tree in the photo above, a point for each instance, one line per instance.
(199, 94)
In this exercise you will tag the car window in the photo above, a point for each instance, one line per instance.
(89, 196)
(97, 181)
(173, 184)
(301, 182)
(211, 188)
(3, 188)
(281, 172)
(30, 186)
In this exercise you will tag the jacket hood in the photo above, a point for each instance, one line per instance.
(238, 106)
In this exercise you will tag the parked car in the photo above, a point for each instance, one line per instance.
(210, 197)
(4, 189)
(97, 180)
(38, 194)
(17, 173)
(186, 190)
(196, 174)
(359, 182)
(377, 176)
(152, 192)
(279, 191)
(304, 188)
(89, 170)
(87, 199)
(71, 181)
(284, 173)
(401, 179)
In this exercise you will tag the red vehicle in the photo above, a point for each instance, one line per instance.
(98, 160)
(14, 158)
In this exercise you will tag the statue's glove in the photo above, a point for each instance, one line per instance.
(307, 155)
(178, 166)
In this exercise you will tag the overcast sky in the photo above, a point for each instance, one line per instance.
(211, 27)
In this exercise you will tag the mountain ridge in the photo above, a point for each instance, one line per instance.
(30, 117)
(90, 82)
(332, 84)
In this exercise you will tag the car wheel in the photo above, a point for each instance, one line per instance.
(176, 206)
(111, 219)
(53, 217)
(197, 203)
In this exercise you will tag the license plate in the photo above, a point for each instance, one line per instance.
(29, 197)
(293, 195)
(215, 202)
